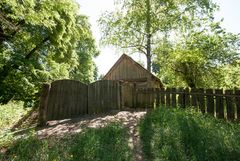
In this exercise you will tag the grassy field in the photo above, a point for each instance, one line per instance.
(109, 144)
(187, 135)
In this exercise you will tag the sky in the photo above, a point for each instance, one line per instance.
(229, 10)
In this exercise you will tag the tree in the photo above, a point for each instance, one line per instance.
(138, 25)
(86, 70)
(198, 57)
(39, 42)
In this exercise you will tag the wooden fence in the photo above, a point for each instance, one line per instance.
(217, 102)
(68, 98)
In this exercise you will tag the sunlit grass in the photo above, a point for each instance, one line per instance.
(109, 143)
(187, 135)
(10, 114)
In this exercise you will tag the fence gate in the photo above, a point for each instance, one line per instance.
(103, 96)
(67, 98)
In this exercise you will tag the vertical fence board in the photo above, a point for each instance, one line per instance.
(193, 97)
(219, 103)
(168, 90)
(201, 100)
(210, 101)
(162, 96)
(230, 105)
(157, 97)
(173, 97)
(181, 98)
(187, 97)
(237, 99)
(43, 104)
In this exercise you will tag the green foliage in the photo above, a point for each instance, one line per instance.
(188, 135)
(41, 41)
(108, 143)
(197, 58)
(138, 25)
(85, 71)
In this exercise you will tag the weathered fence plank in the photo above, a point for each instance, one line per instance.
(193, 97)
(168, 90)
(187, 97)
(201, 100)
(230, 105)
(157, 97)
(210, 101)
(219, 103)
(162, 97)
(237, 92)
(181, 97)
(43, 104)
(174, 97)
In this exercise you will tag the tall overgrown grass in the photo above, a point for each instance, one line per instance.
(10, 114)
(187, 135)
(104, 144)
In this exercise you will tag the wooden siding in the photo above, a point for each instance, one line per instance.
(127, 70)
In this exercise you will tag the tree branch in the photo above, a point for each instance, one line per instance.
(30, 54)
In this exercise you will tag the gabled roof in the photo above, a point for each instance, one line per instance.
(140, 67)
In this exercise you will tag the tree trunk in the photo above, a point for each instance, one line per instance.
(149, 36)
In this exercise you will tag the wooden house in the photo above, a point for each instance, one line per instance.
(132, 76)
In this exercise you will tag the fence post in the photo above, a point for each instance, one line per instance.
(42, 119)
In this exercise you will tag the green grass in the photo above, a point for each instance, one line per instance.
(104, 144)
(187, 135)
(10, 114)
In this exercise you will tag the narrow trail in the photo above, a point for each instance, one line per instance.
(129, 119)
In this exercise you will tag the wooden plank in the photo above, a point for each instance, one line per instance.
(230, 106)
(219, 104)
(237, 99)
(187, 97)
(193, 97)
(201, 100)
(43, 104)
(157, 97)
(174, 97)
(168, 103)
(162, 97)
(210, 102)
(181, 98)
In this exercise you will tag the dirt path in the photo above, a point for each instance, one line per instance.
(129, 119)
